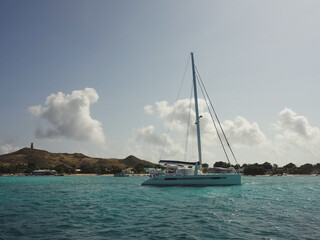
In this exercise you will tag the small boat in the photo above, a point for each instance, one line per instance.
(182, 173)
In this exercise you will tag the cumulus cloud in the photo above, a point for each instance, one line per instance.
(156, 142)
(179, 110)
(148, 109)
(177, 115)
(292, 124)
(148, 134)
(68, 115)
(292, 139)
(296, 131)
(242, 132)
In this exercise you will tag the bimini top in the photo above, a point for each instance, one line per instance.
(177, 162)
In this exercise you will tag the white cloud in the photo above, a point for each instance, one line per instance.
(292, 139)
(177, 115)
(292, 124)
(241, 132)
(154, 143)
(68, 115)
(147, 134)
(179, 110)
(295, 133)
(148, 109)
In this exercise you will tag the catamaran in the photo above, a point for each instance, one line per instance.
(182, 173)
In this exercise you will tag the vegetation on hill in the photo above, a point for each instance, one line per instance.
(27, 160)
(268, 168)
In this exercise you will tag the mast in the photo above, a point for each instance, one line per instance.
(197, 110)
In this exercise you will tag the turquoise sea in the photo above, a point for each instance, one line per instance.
(101, 207)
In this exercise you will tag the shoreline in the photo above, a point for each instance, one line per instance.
(69, 175)
(132, 175)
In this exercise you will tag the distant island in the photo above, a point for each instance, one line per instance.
(28, 160)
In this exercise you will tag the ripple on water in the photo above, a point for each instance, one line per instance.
(113, 208)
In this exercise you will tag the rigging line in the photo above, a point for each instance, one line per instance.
(225, 137)
(188, 124)
(214, 123)
(174, 109)
(217, 119)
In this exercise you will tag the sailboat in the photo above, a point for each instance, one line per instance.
(182, 173)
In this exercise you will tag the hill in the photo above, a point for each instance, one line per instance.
(27, 158)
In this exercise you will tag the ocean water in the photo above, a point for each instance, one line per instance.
(101, 207)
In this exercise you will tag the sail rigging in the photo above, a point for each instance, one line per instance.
(182, 173)
(207, 98)
(224, 142)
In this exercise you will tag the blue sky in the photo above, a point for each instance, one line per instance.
(76, 76)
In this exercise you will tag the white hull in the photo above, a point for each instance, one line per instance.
(195, 180)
